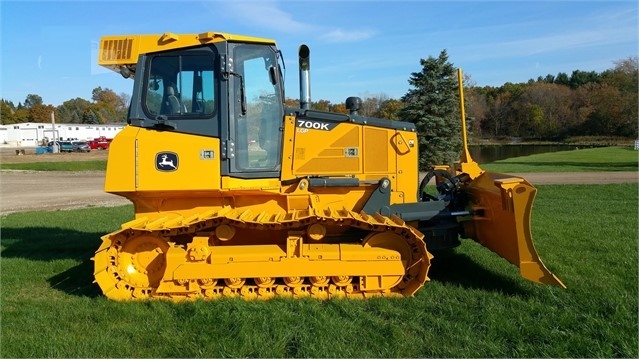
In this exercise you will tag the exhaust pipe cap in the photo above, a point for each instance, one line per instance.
(353, 104)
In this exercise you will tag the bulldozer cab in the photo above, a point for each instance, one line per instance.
(229, 90)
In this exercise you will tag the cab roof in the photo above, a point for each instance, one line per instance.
(123, 50)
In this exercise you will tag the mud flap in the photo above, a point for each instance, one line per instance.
(502, 206)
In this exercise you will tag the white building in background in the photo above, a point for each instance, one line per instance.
(31, 134)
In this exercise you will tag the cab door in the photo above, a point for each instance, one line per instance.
(256, 112)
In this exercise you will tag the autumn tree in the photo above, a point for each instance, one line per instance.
(611, 112)
(501, 102)
(321, 105)
(292, 103)
(432, 105)
(109, 107)
(625, 77)
(7, 109)
(371, 105)
(33, 110)
(390, 109)
(21, 114)
(543, 111)
(41, 113)
(340, 108)
(476, 106)
(125, 100)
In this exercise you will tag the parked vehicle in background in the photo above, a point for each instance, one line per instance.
(100, 143)
(66, 146)
(81, 146)
(63, 146)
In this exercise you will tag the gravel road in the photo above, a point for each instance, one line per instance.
(34, 190)
(47, 190)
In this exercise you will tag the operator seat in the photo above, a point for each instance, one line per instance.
(172, 100)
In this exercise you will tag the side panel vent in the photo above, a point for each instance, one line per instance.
(376, 156)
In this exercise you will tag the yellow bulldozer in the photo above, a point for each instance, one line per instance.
(237, 195)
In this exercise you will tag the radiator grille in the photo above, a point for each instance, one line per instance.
(116, 50)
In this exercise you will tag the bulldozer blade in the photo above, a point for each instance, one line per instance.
(501, 222)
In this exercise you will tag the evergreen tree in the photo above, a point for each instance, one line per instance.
(33, 100)
(433, 106)
(89, 117)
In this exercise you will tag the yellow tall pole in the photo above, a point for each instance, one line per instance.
(467, 164)
(462, 109)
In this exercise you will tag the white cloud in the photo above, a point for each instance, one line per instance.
(339, 35)
(270, 15)
(266, 14)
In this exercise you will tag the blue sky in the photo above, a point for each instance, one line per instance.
(358, 48)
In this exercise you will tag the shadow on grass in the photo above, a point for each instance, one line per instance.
(460, 269)
(50, 244)
(77, 280)
(46, 244)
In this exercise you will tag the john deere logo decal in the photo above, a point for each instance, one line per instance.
(166, 161)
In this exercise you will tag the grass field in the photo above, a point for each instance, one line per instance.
(586, 160)
(475, 306)
(56, 166)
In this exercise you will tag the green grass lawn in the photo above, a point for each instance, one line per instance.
(586, 160)
(56, 166)
(475, 306)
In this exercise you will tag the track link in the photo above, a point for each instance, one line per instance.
(145, 257)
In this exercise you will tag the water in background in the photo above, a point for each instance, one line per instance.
(491, 153)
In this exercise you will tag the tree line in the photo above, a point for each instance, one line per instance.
(105, 107)
(552, 107)
(561, 106)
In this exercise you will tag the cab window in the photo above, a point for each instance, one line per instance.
(181, 86)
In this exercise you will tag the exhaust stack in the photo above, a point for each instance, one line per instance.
(305, 77)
